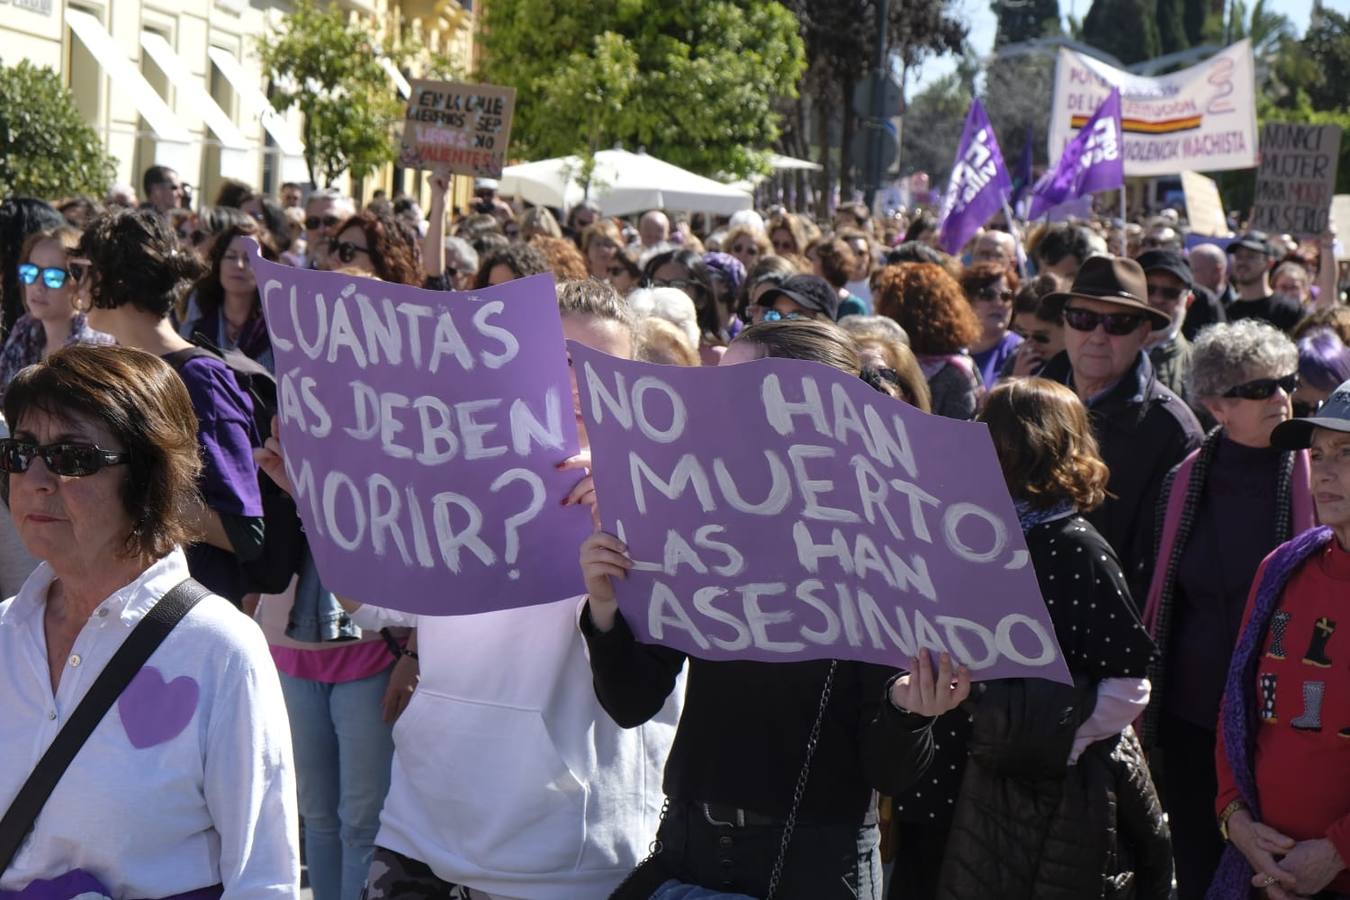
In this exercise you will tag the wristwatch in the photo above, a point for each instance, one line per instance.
(1228, 812)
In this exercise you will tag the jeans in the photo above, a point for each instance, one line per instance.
(343, 750)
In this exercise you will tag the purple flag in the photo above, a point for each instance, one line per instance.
(782, 510)
(1091, 162)
(422, 433)
(979, 185)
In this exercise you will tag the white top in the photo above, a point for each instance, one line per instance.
(508, 776)
(188, 780)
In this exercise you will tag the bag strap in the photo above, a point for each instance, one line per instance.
(144, 639)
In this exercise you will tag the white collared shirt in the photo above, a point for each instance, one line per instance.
(187, 782)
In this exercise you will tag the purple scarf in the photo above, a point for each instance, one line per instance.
(79, 883)
(1233, 881)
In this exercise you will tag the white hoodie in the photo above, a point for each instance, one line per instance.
(508, 776)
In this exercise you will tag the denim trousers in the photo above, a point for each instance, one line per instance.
(343, 750)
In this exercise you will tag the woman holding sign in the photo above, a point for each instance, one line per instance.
(770, 778)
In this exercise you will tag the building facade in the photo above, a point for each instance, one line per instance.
(178, 82)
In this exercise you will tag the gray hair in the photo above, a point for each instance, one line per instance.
(671, 304)
(1228, 354)
(464, 251)
(338, 198)
(879, 328)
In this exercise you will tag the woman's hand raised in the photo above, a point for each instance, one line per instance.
(926, 694)
(603, 558)
(272, 459)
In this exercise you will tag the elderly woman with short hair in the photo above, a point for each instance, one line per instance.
(1223, 508)
(184, 787)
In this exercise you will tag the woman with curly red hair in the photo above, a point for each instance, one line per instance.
(378, 245)
(929, 305)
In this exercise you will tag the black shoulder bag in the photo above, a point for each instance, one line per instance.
(144, 639)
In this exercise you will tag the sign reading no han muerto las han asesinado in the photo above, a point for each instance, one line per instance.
(781, 510)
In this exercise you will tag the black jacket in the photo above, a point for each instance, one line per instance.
(1144, 430)
(1029, 827)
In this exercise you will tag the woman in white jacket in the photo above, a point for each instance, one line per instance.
(509, 780)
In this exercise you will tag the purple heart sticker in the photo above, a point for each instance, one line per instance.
(154, 711)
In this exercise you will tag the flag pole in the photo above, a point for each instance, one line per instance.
(1017, 239)
(1124, 238)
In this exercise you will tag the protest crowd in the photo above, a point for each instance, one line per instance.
(1171, 420)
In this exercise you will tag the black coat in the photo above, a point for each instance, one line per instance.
(1029, 827)
(1143, 430)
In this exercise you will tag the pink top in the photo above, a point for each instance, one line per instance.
(329, 663)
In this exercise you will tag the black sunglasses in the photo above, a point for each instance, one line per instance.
(346, 250)
(1304, 409)
(314, 223)
(992, 296)
(1117, 324)
(1168, 293)
(75, 460)
(1263, 388)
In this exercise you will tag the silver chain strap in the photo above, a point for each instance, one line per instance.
(800, 789)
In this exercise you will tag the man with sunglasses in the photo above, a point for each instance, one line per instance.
(1143, 427)
(1252, 262)
(325, 210)
(1169, 292)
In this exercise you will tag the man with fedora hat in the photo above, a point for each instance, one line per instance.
(1143, 428)
(1252, 262)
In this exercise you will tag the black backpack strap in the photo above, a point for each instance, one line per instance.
(138, 647)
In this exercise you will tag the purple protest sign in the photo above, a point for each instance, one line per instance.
(979, 185)
(780, 510)
(422, 432)
(1091, 162)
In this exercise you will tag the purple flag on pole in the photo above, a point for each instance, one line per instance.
(1091, 162)
(979, 184)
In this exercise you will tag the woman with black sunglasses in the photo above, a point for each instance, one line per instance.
(1224, 508)
(52, 320)
(380, 246)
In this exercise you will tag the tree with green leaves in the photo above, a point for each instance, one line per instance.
(1025, 20)
(328, 68)
(49, 150)
(1127, 29)
(694, 83)
(933, 124)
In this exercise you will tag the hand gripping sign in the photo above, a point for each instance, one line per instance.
(780, 510)
(422, 430)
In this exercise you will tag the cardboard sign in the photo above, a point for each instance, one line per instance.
(1198, 119)
(781, 510)
(1204, 206)
(1296, 179)
(463, 127)
(422, 432)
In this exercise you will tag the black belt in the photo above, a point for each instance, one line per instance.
(735, 817)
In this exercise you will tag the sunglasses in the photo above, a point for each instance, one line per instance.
(314, 223)
(346, 250)
(773, 315)
(1167, 293)
(1036, 337)
(682, 283)
(992, 296)
(1117, 324)
(1304, 409)
(1263, 388)
(742, 250)
(52, 277)
(73, 460)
